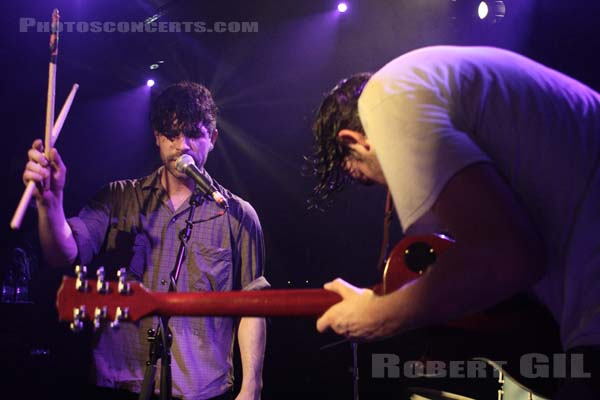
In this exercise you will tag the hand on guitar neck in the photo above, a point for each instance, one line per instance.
(96, 300)
(361, 315)
(79, 300)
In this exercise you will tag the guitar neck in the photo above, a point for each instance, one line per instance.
(267, 303)
(86, 301)
(80, 299)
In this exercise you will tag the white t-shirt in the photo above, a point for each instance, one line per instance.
(434, 111)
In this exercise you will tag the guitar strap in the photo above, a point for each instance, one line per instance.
(385, 241)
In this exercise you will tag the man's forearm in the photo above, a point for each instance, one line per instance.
(252, 339)
(56, 237)
(465, 280)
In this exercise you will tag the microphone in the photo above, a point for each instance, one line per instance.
(186, 164)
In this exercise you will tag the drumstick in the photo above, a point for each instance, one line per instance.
(15, 223)
(51, 84)
(64, 111)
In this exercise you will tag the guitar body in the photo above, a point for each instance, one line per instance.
(515, 336)
(503, 333)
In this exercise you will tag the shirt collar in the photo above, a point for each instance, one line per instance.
(152, 181)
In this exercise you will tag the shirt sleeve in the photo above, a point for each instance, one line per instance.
(90, 226)
(417, 145)
(250, 250)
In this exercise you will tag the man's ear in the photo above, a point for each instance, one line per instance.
(350, 138)
(156, 138)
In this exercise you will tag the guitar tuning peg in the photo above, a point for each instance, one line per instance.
(81, 284)
(99, 315)
(121, 314)
(101, 284)
(76, 326)
(78, 317)
(123, 287)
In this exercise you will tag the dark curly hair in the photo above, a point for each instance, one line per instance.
(339, 110)
(179, 109)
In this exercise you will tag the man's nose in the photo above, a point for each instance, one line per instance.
(182, 143)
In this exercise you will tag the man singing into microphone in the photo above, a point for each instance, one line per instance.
(135, 223)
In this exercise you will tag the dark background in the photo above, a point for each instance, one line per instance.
(267, 85)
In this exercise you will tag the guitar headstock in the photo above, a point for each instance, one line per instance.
(98, 300)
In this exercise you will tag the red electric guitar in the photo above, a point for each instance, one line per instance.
(520, 326)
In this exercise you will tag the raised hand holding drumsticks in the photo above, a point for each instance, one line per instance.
(52, 130)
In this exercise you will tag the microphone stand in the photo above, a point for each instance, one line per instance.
(355, 378)
(160, 342)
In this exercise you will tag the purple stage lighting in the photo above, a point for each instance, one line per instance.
(150, 82)
(342, 7)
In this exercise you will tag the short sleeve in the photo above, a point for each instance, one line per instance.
(416, 143)
(90, 226)
(250, 249)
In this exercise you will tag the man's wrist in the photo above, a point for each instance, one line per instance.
(51, 206)
(251, 385)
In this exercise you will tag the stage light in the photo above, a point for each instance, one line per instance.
(483, 10)
(150, 82)
(342, 7)
(491, 11)
(156, 65)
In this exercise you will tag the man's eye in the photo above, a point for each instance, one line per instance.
(194, 133)
(170, 136)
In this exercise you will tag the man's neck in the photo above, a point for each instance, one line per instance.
(178, 190)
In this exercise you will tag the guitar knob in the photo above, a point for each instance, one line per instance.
(99, 315)
(80, 283)
(101, 284)
(123, 287)
(121, 314)
(78, 317)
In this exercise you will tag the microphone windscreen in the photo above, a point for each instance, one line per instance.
(183, 162)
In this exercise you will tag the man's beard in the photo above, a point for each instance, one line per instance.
(170, 165)
(173, 159)
(365, 181)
